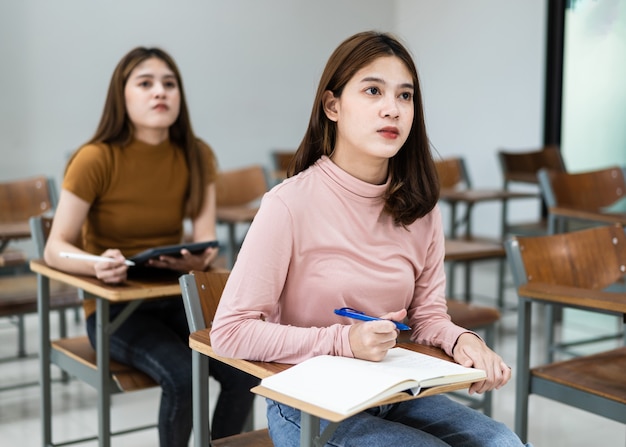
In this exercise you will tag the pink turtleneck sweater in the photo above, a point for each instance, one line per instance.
(320, 241)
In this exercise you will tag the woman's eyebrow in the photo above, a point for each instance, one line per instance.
(382, 81)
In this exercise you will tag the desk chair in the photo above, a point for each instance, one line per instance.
(238, 193)
(577, 201)
(281, 159)
(584, 197)
(571, 269)
(21, 199)
(76, 357)
(201, 294)
(519, 170)
(465, 247)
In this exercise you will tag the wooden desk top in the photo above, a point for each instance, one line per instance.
(482, 195)
(471, 250)
(606, 217)
(574, 296)
(14, 230)
(201, 342)
(133, 289)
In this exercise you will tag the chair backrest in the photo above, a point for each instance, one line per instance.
(522, 166)
(592, 259)
(452, 173)
(282, 158)
(201, 294)
(240, 186)
(586, 191)
(21, 199)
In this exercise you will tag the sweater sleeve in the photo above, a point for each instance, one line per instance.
(248, 319)
(427, 313)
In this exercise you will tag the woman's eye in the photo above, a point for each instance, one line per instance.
(372, 91)
(145, 84)
(407, 96)
(170, 84)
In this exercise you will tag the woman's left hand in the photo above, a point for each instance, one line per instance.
(187, 261)
(471, 351)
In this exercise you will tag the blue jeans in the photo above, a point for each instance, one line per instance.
(429, 421)
(155, 340)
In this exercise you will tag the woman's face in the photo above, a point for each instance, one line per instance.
(374, 113)
(152, 100)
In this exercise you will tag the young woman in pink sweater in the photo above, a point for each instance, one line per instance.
(357, 225)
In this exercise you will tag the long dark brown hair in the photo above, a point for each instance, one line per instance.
(414, 187)
(115, 127)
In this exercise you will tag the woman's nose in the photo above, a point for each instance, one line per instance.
(159, 89)
(390, 108)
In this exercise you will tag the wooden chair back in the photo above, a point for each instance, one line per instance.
(585, 191)
(40, 230)
(282, 159)
(24, 198)
(452, 173)
(522, 166)
(201, 294)
(240, 186)
(589, 259)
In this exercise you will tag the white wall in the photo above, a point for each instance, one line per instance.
(481, 64)
(250, 69)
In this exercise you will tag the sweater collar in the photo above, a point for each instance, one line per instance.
(350, 183)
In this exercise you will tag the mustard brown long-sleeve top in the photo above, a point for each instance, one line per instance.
(137, 195)
(321, 241)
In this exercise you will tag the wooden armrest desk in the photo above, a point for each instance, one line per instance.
(200, 342)
(132, 292)
(470, 197)
(12, 230)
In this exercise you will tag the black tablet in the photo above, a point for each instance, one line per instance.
(171, 250)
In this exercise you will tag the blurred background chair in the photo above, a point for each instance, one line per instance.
(463, 246)
(519, 172)
(19, 200)
(576, 201)
(238, 194)
(574, 269)
(583, 198)
(281, 158)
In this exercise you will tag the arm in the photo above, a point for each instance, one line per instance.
(65, 236)
(428, 312)
(248, 320)
(203, 230)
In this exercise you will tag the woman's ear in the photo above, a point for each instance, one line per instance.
(329, 101)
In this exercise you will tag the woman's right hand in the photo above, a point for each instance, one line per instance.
(114, 272)
(371, 340)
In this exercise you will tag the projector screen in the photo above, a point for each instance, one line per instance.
(593, 107)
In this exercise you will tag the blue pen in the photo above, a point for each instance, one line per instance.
(358, 315)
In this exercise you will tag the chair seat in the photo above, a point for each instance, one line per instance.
(257, 438)
(600, 374)
(126, 377)
(470, 316)
(18, 295)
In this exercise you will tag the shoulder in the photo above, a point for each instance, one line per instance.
(91, 156)
(209, 159)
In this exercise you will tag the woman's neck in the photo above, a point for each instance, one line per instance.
(151, 136)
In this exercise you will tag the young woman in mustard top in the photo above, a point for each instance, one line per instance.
(129, 189)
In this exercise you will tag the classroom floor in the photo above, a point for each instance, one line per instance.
(74, 404)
